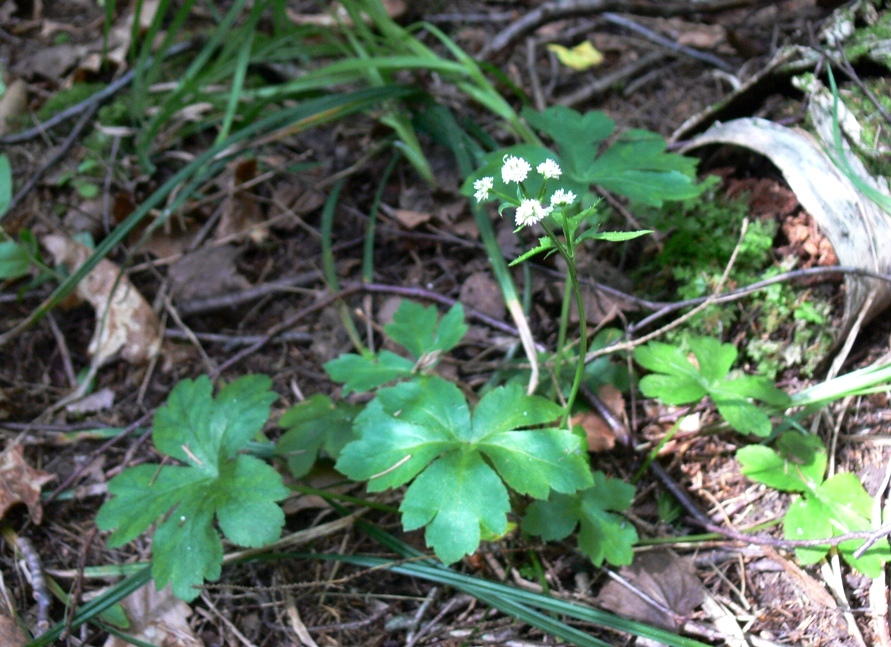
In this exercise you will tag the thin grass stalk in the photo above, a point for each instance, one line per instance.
(241, 65)
(330, 270)
(368, 247)
(96, 606)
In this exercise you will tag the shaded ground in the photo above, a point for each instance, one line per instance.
(426, 244)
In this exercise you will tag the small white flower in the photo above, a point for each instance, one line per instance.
(515, 169)
(549, 169)
(530, 212)
(482, 187)
(561, 196)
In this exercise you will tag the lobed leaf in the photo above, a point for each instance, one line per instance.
(423, 430)
(603, 535)
(314, 425)
(362, 373)
(239, 490)
(454, 497)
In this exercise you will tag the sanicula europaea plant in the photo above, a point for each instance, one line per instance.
(566, 225)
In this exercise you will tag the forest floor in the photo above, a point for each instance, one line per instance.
(219, 290)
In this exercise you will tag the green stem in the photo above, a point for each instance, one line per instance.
(568, 253)
(583, 338)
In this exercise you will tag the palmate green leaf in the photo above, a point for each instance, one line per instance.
(456, 497)
(604, 535)
(420, 331)
(362, 373)
(677, 380)
(424, 429)
(636, 165)
(827, 508)
(838, 506)
(798, 472)
(314, 425)
(240, 491)
(578, 137)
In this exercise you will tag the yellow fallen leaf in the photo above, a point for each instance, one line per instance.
(580, 57)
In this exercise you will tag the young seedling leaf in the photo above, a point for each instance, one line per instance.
(416, 328)
(315, 425)
(217, 481)
(829, 508)
(677, 380)
(461, 463)
(15, 260)
(604, 535)
(362, 373)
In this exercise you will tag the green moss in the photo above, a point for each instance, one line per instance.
(783, 326)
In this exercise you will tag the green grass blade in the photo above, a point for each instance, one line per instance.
(244, 57)
(94, 607)
(310, 113)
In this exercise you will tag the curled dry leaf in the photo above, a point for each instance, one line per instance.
(21, 483)
(669, 583)
(157, 617)
(125, 323)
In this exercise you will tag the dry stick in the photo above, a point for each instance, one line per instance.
(99, 450)
(284, 325)
(38, 582)
(667, 43)
(604, 83)
(553, 11)
(680, 620)
(685, 317)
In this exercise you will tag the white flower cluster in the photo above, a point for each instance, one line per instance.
(516, 169)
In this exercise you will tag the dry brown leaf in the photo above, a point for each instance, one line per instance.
(13, 104)
(21, 483)
(480, 292)
(207, 272)
(125, 323)
(101, 400)
(51, 63)
(410, 219)
(661, 575)
(598, 433)
(242, 213)
(158, 618)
